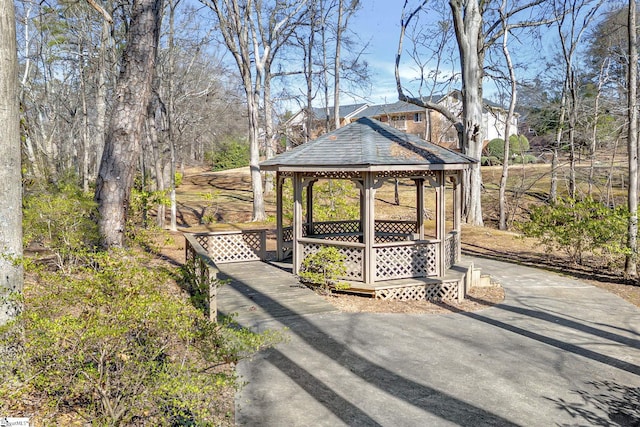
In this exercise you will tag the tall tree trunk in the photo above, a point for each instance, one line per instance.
(106, 42)
(602, 77)
(254, 158)
(85, 122)
(467, 19)
(308, 74)
(325, 69)
(11, 275)
(336, 67)
(555, 161)
(170, 114)
(122, 145)
(269, 133)
(507, 126)
(573, 120)
(632, 135)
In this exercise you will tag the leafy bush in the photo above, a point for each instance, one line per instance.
(324, 268)
(579, 227)
(61, 218)
(495, 148)
(518, 145)
(104, 341)
(230, 155)
(177, 177)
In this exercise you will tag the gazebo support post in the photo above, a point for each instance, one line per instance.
(310, 228)
(279, 238)
(457, 211)
(419, 208)
(441, 223)
(297, 221)
(369, 262)
(363, 205)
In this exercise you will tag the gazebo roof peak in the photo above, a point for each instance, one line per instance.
(368, 144)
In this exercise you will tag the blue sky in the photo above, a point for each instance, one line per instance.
(378, 23)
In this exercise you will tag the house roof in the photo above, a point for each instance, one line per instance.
(344, 111)
(388, 109)
(367, 145)
(399, 107)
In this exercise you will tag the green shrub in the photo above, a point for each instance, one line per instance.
(324, 268)
(104, 341)
(518, 145)
(178, 179)
(61, 218)
(578, 227)
(230, 155)
(495, 148)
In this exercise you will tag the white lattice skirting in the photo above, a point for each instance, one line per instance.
(446, 291)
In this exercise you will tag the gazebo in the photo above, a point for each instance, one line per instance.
(369, 152)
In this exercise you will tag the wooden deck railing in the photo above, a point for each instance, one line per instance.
(204, 274)
(234, 246)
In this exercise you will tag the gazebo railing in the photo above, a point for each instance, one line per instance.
(452, 245)
(386, 230)
(353, 253)
(393, 260)
(401, 260)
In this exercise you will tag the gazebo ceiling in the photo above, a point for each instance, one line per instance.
(368, 145)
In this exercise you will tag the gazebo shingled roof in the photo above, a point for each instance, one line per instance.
(367, 144)
(370, 152)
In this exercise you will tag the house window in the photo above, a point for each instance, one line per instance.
(417, 117)
(399, 122)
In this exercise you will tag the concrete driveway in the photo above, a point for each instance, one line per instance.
(557, 351)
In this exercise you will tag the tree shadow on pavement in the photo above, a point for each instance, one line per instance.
(430, 400)
(604, 403)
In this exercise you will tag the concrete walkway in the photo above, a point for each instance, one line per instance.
(557, 351)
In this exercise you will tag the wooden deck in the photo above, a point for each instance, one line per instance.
(259, 292)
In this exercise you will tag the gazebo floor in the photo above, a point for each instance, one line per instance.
(449, 287)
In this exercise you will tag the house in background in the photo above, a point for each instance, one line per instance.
(425, 123)
(297, 130)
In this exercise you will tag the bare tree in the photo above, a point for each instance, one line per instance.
(474, 37)
(241, 24)
(11, 275)
(507, 131)
(572, 24)
(631, 268)
(341, 25)
(122, 145)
